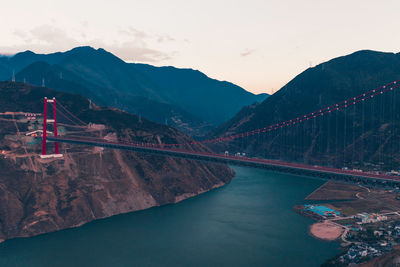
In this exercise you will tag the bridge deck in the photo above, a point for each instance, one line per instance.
(297, 168)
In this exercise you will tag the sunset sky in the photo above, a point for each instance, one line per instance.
(259, 45)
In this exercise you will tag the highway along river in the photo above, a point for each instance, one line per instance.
(249, 222)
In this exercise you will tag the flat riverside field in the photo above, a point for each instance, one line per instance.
(332, 190)
(356, 198)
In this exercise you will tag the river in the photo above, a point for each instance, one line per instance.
(249, 222)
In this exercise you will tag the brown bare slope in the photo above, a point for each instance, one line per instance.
(39, 196)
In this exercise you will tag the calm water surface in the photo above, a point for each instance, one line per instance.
(249, 222)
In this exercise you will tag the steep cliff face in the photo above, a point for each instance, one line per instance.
(44, 195)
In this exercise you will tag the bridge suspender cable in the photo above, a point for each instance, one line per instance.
(342, 105)
(336, 107)
(71, 114)
(302, 128)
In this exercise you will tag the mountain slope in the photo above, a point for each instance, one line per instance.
(120, 84)
(326, 84)
(195, 91)
(45, 195)
(58, 77)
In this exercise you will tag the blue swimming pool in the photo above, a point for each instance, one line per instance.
(321, 210)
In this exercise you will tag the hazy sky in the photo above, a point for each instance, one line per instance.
(259, 45)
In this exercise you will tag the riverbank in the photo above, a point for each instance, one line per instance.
(366, 219)
(248, 222)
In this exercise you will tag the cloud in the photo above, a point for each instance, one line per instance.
(50, 36)
(132, 32)
(247, 52)
(164, 38)
(41, 39)
(20, 34)
(85, 23)
(136, 51)
(138, 34)
(134, 44)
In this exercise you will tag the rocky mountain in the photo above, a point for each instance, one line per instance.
(55, 76)
(184, 98)
(318, 87)
(196, 92)
(44, 195)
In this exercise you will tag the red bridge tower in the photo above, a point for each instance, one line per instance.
(45, 132)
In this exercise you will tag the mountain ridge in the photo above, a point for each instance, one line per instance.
(323, 85)
(209, 100)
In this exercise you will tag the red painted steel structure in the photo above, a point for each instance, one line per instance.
(321, 112)
(225, 158)
(44, 135)
(168, 150)
(55, 125)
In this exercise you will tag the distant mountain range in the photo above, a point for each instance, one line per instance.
(184, 98)
(318, 87)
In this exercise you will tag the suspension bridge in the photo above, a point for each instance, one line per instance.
(337, 136)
